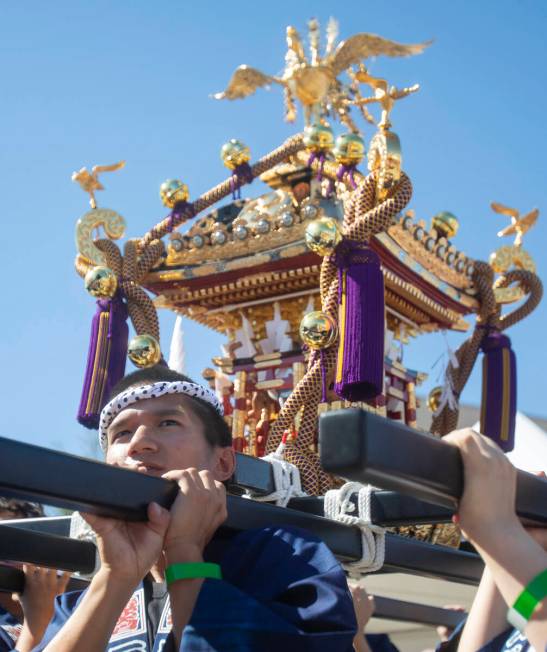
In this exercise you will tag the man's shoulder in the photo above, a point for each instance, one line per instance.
(279, 551)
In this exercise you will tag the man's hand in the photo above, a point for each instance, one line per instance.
(37, 602)
(364, 606)
(488, 500)
(196, 514)
(128, 550)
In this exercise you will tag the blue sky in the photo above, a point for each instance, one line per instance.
(96, 82)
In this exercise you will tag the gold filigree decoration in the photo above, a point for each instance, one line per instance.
(505, 258)
(87, 230)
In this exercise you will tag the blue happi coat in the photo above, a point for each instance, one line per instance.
(10, 628)
(282, 589)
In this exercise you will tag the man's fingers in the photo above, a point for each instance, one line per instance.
(158, 517)
(62, 581)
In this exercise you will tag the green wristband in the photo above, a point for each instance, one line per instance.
(192, 571)
(521, 612)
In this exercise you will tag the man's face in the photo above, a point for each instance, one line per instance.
(160, 434)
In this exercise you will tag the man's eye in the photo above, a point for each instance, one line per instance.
(120, 434)
(169, 422)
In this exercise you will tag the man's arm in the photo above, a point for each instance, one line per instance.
(127, 552)
(487, 516)
(91, 625)
(487, 616)
(196, 514)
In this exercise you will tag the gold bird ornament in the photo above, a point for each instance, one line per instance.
(314, 81)
(89, 181)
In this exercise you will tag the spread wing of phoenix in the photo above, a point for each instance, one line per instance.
(315, 80)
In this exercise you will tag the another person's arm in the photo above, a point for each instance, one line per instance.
(42, 585)
(487, 517)
(364, 608)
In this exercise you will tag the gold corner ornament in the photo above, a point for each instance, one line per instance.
(89, 181)
(508, 256)
(314, 80)
(87, 227)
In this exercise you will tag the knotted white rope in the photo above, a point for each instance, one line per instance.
(339, 507)
(286, 478)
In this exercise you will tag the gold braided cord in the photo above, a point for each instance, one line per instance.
(130, 269)
(489, 317)
(289, 147)
(362, 220)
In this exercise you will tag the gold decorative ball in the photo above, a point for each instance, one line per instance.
(234, 153)
(144, 351)
(434, 399)
(101, 282)
(323, 235)
(445, 224)
(318, 330)
(172, 191)
(349, 149)
(318, 138)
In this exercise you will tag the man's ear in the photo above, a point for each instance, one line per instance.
(225, 463)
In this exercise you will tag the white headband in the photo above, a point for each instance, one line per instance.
(134, 394)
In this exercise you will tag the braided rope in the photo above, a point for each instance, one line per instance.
(130, 269)
(489, 316)
(362, 220)
(223, 189)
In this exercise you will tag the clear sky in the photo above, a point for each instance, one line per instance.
(95, 82)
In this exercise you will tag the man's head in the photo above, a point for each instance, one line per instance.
(161, 421)
(12, 508)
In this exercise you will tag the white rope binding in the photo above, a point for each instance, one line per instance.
(339, 507)
(286, 478)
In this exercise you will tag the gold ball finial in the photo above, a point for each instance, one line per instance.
(349, 149)
(434, 399)
(318, 138)
(323, 235)
(234, 153)
(173, 191)
(445, 224)
(318, 330)
(144, 351)
(101, 282)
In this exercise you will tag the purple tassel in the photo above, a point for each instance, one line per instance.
(182, 208)
(241, 174)
(360, 365)
(314, 156)
(499, 390)
(105, 358)
(350, 171)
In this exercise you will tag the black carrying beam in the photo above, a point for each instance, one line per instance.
(48, 550)
(366, 448)
(65, 480)
(12, 580)
(411, 612)
(387, 508)
(45, 476)
(253, 474)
